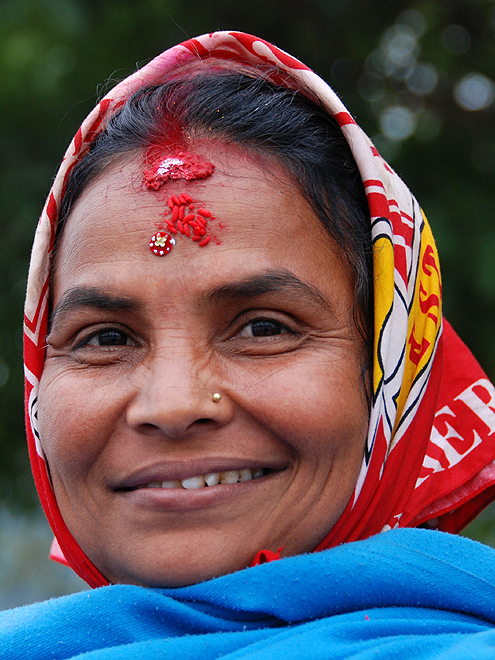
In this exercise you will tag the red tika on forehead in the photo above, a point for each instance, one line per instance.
(181, 217)
(182, 165)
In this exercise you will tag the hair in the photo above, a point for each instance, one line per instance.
(267, 119)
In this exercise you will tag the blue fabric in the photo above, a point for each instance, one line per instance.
(403, 594)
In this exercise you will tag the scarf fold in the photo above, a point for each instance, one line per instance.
(429, 453)
(408, 594)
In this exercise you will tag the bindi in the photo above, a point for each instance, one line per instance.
(161, 243)
(181, 215)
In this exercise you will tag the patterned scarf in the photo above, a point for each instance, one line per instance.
(429, 454)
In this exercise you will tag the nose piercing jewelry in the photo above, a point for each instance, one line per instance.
(216, 397)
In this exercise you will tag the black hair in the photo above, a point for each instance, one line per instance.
(265, 118)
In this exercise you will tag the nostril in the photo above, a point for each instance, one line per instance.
(175, 410)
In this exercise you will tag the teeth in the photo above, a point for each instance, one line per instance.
(229, 477)
(245, 475)
(211, 479)
(193, 482)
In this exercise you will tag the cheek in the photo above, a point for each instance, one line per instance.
(319, 409)
(75, 422)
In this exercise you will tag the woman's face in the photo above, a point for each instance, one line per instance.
(140, 343)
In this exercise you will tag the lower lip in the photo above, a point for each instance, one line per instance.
(175, 499)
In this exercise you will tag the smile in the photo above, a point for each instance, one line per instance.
(211, 479)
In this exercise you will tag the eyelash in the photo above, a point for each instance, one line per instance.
(264, 324)
(129, 341)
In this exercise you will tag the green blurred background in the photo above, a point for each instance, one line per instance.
(418, 76)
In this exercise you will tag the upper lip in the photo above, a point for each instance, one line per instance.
(174, 470)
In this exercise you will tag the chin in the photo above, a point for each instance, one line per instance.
(173, 577)
(180, 569)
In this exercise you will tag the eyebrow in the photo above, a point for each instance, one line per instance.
(91, 297)
(270, 281)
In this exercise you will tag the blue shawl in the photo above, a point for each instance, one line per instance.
(407, 593)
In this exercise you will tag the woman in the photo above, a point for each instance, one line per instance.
(228, 380)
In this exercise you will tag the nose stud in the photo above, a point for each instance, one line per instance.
(216, 397)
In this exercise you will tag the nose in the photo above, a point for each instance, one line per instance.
(177, 397)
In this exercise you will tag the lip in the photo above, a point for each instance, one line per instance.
(181, 499)
(179, 470)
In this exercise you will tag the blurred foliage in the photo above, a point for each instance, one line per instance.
(418, 76)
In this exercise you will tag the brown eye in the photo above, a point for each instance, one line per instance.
(263, 328)
(110, 337)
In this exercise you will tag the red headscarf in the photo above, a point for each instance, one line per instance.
(429, 455)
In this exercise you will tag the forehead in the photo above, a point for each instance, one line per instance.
(259, 220)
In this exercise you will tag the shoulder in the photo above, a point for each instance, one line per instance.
(81, 622)
(394, 590)
(399, 568)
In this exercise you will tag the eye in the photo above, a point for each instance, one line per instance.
(263, 328)
(108, 337)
